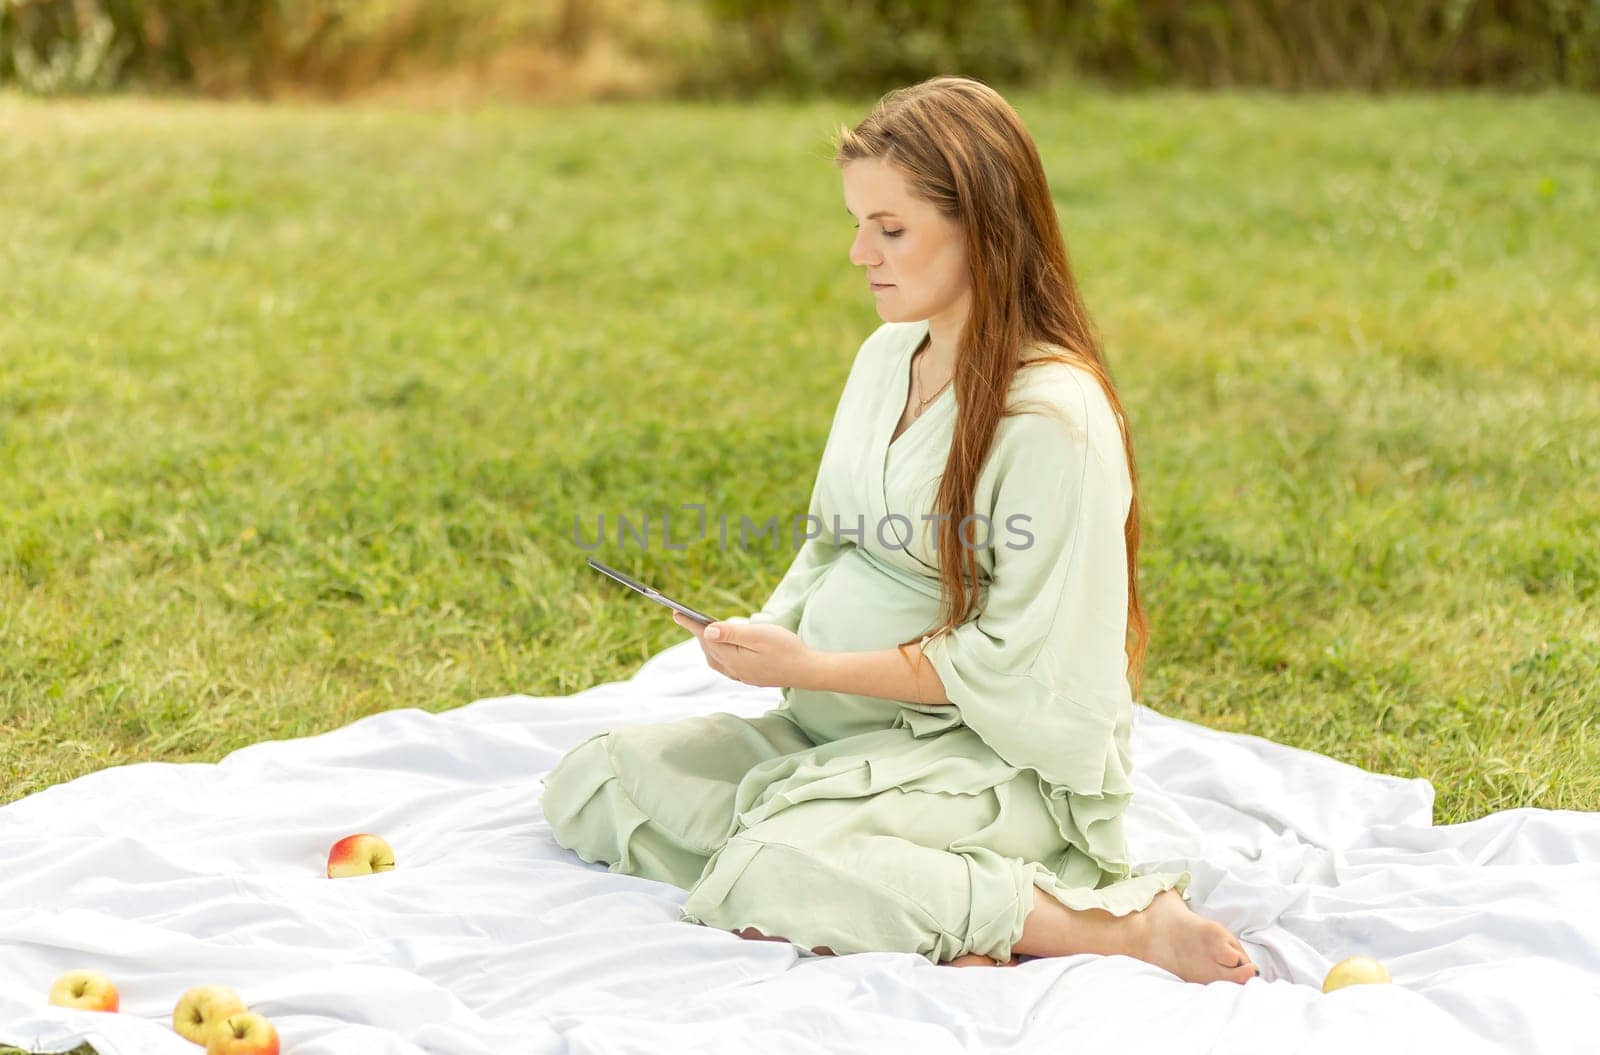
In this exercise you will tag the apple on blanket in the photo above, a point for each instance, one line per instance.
(85, 990)
(360, 854)
(212, 1015)
(215, 1015)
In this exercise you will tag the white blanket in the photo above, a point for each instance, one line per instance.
(488, 937)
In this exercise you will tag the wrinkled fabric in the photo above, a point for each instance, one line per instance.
(489, 937)
(897, 826)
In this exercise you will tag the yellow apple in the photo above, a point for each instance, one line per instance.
(358, 855)
(1356, 970)
(202, 1007)
(245, 1033)
(86, 990)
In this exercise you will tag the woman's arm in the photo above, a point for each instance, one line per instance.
(891, 674)
(771, 655)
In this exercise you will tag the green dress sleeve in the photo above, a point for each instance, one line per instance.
(1040, 672)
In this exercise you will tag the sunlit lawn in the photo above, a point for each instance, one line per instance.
(297, 407)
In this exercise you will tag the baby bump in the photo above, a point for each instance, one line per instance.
(859, 606)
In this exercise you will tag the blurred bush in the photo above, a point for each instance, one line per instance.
(88, 57)
(1282, 44)
(266, 47)
(872, 45)
(234, 46)
(727, 47)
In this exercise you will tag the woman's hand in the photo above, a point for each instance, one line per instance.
(755, 653)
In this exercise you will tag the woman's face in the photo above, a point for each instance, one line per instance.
(914, 254)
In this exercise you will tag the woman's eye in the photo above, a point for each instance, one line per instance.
(894, 234)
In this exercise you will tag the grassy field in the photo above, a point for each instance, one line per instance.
(297, 407)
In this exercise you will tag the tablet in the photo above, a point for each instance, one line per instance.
(651, 592)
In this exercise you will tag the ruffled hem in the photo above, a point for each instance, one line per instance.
(593, 834)
(1092, 824)
(1132, 894)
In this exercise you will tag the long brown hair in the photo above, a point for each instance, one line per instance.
(961, 147)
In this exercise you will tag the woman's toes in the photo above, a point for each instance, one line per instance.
(1239, 966)
(1230, 957)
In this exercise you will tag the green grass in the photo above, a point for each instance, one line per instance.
(297, 407)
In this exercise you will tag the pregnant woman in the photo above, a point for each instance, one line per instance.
(948, 770)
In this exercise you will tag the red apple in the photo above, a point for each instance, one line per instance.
(358, 855)
(86, 990)
(202, 1007)
(245, 1033)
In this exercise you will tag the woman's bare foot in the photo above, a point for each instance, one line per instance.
(978, 959)
(1170, 934)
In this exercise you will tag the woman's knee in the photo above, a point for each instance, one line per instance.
(574, 788)
(592, 814)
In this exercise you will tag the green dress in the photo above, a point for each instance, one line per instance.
(866, 824)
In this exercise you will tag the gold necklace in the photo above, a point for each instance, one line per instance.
(930, 399)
